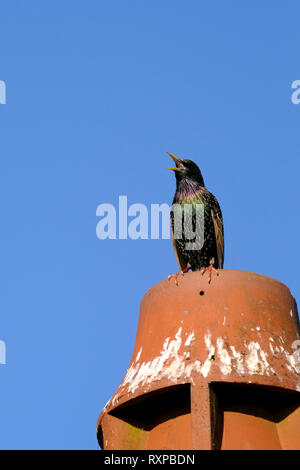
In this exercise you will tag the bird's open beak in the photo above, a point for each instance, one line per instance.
(178, 162)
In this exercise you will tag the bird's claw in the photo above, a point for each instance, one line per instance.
(210, 269)
(181, 273)
(175, 277)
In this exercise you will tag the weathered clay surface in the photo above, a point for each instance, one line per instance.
(240, 329)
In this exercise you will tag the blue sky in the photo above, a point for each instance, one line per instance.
(97, 93)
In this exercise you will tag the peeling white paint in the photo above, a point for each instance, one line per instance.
(224, 321)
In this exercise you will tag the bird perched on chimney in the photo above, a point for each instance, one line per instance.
(192, 193)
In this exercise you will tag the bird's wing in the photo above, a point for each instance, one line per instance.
(216, 215)
(180, 260)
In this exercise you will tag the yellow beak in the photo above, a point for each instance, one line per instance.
(176, 160)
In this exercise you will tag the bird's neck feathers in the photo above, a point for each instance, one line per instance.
(188, 188)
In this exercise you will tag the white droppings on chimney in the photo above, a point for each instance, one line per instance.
(106, 405)
(294, 358)
(205, 368)
(238, 366)
(264, 355)
(190, 338)
(252, 359)
(225, 359)
(168, 364)
(211, 350)
(138, 355)
(291, 312)
(175, 362)
(255, 364)
(207, 339)
(193, 367)
(166, 342)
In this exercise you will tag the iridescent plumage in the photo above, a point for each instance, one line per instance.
(190, 189)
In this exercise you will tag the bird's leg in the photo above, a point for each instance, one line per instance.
(210, 269)
(181, 273)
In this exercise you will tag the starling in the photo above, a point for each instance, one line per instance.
(191, 191)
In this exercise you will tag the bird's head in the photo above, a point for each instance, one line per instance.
(186, 169)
